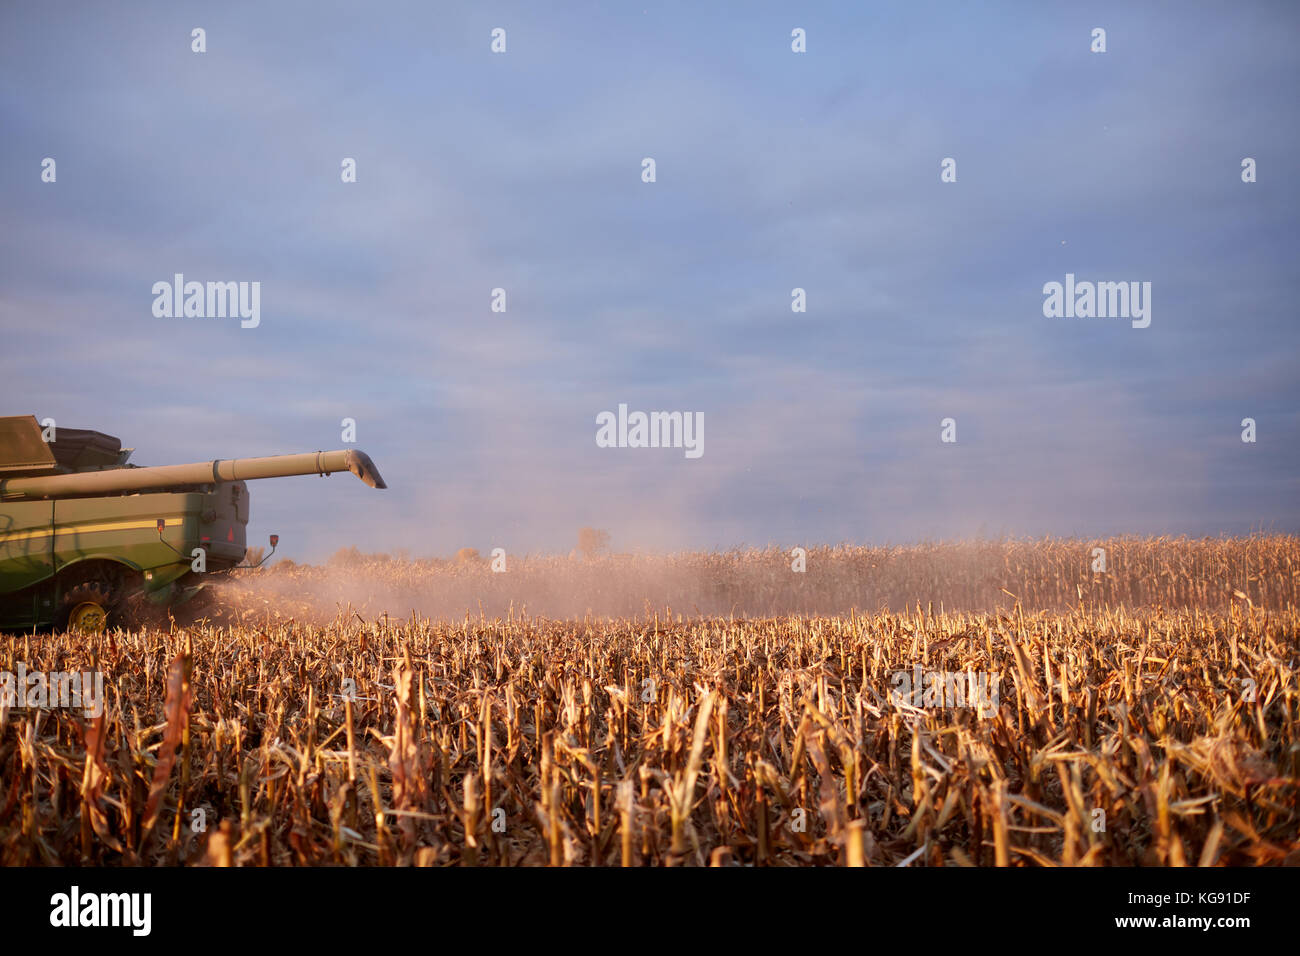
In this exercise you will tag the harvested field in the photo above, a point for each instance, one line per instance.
(1095, 733)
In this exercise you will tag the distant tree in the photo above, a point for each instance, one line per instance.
(347, 556)
(465, 555)
(592, 541)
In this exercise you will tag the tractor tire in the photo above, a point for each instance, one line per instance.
(88, 607)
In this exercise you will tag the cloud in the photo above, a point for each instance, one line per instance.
(775, 171)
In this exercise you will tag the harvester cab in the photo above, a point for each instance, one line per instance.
(85, 537)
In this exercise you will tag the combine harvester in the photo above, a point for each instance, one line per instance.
(88, 541)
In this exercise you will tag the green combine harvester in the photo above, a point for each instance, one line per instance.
(88, 541)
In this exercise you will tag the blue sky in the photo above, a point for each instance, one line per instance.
(775, 170)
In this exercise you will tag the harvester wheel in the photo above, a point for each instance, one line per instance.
(86, 607)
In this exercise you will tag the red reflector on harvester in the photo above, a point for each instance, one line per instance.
(230, 535)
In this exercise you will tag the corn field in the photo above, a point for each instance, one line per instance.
(1054, 574)
(1149, 720)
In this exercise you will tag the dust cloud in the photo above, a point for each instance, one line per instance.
(980, 575)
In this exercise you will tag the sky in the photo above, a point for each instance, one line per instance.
(522, 170)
